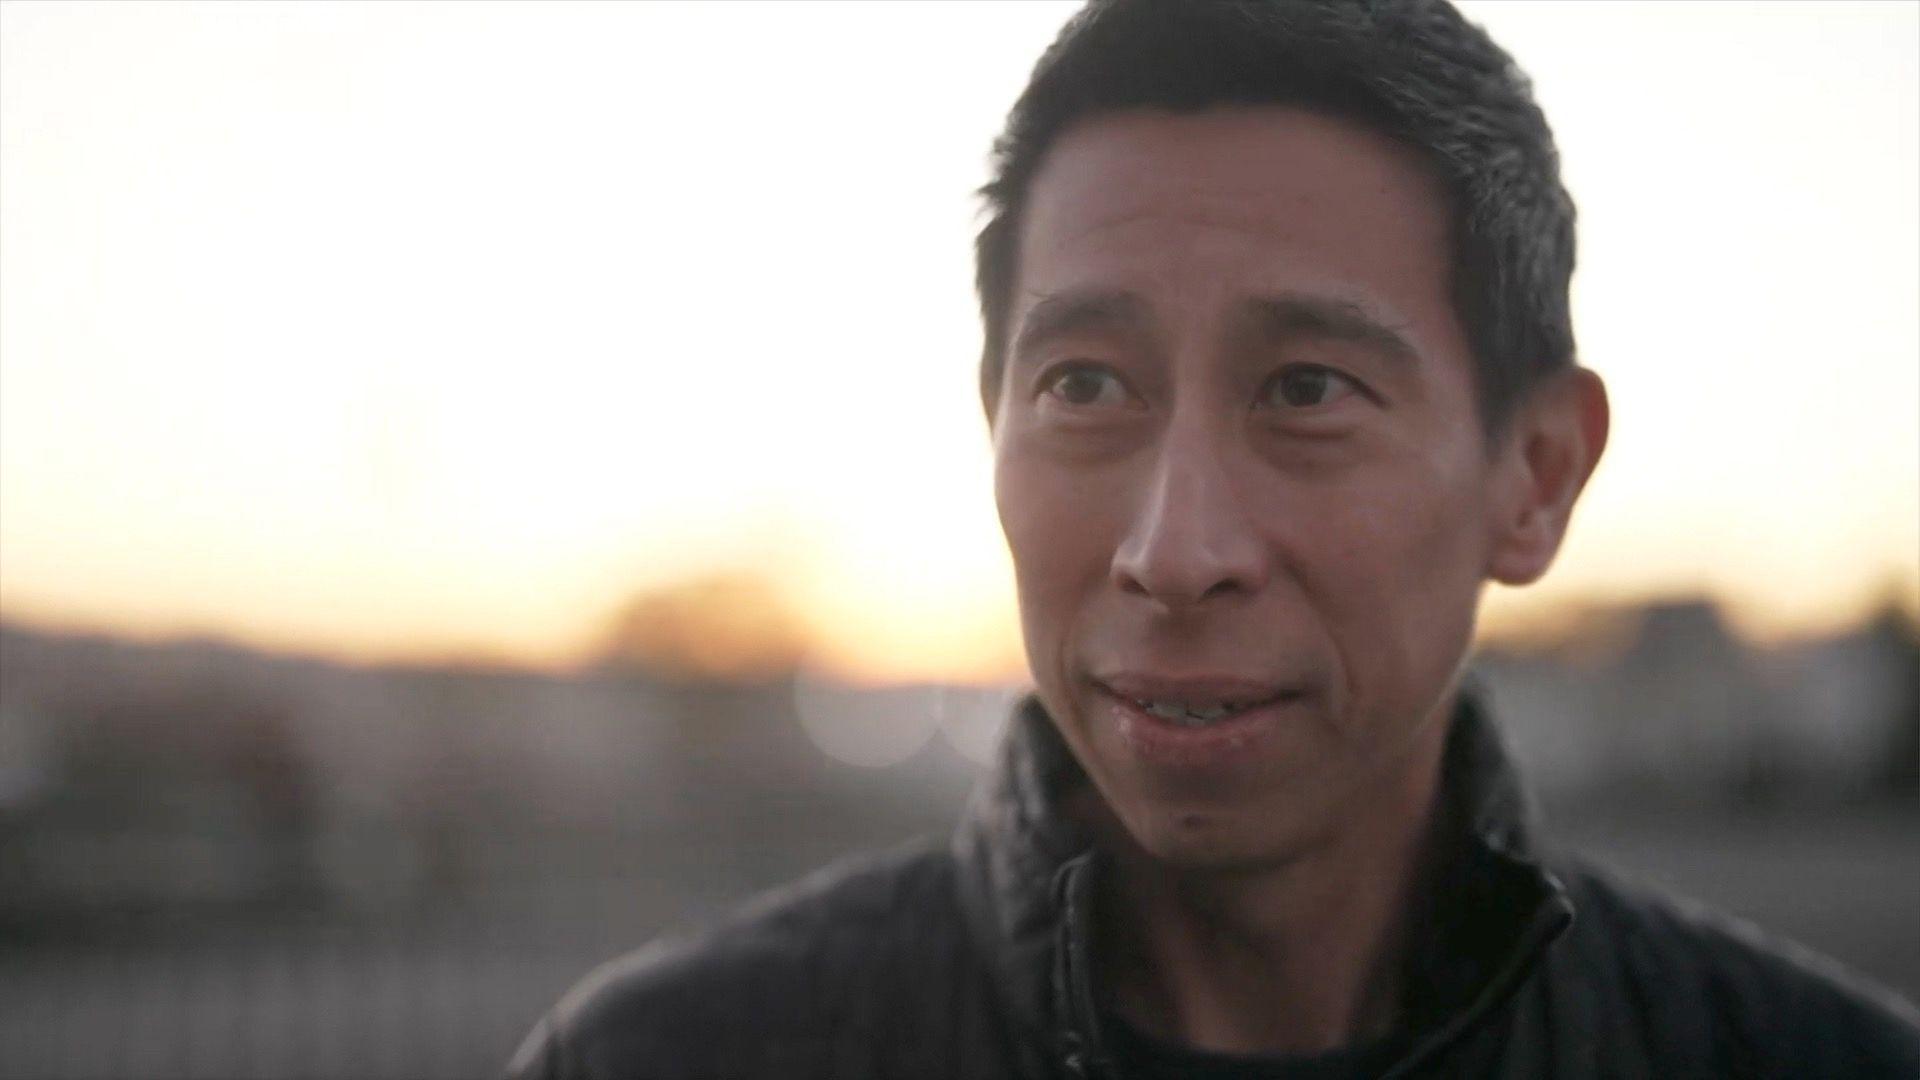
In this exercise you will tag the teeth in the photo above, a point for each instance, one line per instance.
(1182, 713)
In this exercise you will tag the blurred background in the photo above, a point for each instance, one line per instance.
(481, 485)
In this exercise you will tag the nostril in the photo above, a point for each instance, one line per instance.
(1184, 553)
(1226, 585)
(1178, 591)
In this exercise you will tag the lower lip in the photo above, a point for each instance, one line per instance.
(1216, 745)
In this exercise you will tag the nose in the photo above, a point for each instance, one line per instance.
(1191, 537)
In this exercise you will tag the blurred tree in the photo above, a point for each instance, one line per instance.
(720, 652)
(725, 626)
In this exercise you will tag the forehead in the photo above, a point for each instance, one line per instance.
(1205, 208)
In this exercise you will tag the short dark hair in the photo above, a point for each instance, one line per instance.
(1412, 69)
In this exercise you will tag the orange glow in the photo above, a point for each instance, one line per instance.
(317, 334)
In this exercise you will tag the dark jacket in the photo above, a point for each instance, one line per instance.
(972, 960)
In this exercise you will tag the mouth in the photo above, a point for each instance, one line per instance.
(1195, 723)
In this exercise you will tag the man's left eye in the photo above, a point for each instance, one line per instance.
(1305, 386)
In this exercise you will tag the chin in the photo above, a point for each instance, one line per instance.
(1214, 840)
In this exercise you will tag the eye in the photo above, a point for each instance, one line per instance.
(1306, 386)
(1085, 385)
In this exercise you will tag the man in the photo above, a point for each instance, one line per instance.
(1280, 372)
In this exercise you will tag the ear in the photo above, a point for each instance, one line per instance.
(1552, 444)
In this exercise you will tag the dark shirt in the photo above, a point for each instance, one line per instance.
(1154, 1059)
(972, 961)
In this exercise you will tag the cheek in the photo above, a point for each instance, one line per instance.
(1054, 530)
(1394, 562)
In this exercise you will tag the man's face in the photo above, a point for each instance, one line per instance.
(1238, 461)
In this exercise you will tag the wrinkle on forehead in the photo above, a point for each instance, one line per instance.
(1206, 208)
(1237, 167)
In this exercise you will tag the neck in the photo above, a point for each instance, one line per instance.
(1299, 956)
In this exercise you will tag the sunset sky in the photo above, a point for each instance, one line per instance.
(402, 331)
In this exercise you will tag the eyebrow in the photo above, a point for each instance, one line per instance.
(1067, 313)
(1288, 316)
(1280, 317)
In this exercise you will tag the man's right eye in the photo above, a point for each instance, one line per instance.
(1085, 386)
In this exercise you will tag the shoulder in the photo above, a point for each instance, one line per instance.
(1705, 986)
(760, 991)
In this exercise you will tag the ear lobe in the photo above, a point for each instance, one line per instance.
(1556, 440)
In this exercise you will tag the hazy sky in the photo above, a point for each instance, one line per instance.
(384, 330)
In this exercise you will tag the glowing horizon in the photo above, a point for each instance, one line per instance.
(319, 333)
(983, 649)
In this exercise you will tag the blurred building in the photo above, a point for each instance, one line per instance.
(199, 772)
(1666, 703)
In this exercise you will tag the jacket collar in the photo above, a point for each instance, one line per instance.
(1026, 872)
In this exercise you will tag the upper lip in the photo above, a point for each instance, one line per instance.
(1202, 690)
